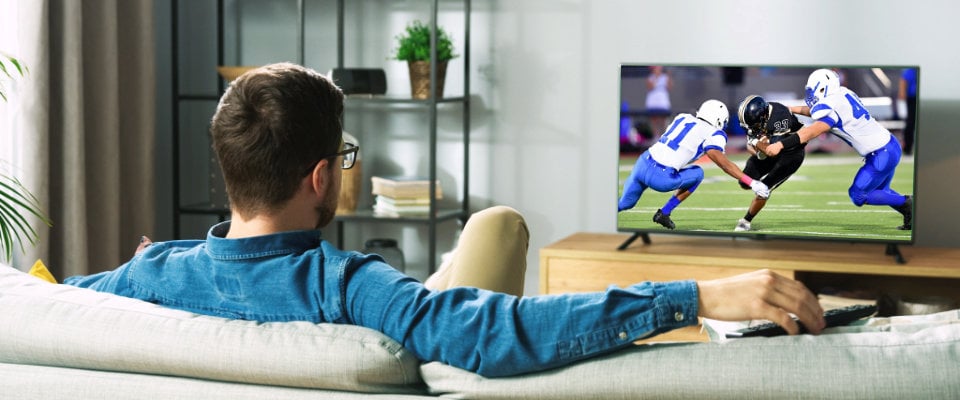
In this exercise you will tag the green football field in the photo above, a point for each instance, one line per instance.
(813, 202)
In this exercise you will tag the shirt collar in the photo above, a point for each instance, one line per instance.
(218, 246)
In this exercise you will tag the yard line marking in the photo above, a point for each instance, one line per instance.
(765, 209)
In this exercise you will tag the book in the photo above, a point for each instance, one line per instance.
(380, 211)
(402, 202)
(404, 187)
(391, 207)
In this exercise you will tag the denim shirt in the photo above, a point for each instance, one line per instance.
(296, 276)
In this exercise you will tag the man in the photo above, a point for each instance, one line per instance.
(772, 122)
(907, 93)
(836, 109)
(668, 164)
(277, 136)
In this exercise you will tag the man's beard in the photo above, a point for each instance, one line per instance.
(328, 210)
(325, 215)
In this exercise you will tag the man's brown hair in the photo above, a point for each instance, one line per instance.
(272, 124)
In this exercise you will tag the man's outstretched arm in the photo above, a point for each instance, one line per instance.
(495, 334)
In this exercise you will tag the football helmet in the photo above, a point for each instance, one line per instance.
(821, 83)
(714, 112)
(754, 112)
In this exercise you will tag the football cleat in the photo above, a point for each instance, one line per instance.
(742, 225)
(663, 219)
(907, 210)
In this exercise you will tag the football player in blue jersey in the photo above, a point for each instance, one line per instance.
(668, 164)
(772, 122)
(838, 110)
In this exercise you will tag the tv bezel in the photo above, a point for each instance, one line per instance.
(642, 232)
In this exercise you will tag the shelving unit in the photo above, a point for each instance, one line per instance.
(436, 215)
(179, 97)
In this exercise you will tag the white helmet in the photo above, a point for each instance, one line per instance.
(821, 83)
(714, 112)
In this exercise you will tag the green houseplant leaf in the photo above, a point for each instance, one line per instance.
(14, 227)
(16, 202)
(414, 44)
(9, 65)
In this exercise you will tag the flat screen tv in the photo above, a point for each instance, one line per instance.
(855, 182)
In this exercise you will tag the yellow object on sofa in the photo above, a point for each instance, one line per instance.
(39, 270)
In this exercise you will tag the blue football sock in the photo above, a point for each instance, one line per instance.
(671, 204)
(885, 198)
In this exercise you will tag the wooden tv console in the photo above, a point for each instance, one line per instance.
(591, 262)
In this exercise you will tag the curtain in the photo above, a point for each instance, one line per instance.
(85, 144)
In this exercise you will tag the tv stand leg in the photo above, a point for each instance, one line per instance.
(894, 250)
(626, 243)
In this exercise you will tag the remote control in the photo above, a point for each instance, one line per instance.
(834, 317)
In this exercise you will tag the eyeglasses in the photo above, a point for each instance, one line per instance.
(349, 154)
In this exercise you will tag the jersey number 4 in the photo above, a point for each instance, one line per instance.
(857, 107)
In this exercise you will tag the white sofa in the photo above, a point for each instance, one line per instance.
(58, 341)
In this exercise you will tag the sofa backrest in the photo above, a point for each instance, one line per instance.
(59, 325)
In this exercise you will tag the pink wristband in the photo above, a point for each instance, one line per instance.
(746, 180)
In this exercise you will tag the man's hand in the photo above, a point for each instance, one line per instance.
(762, 142)
(760, 189)
(761, 295)
(144, 242)
(753, 149)
(771, 150)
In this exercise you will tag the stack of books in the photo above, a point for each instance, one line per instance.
(400, 196)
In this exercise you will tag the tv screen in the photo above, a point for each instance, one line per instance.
(841, 142)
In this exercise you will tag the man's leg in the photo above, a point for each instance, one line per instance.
(686, 181)
(491, 254)
(871, 184)
(773, 172)
(635, 184)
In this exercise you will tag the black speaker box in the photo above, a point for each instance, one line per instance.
(360, 80)
(733, 75)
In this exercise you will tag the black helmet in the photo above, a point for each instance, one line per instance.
(754, 112)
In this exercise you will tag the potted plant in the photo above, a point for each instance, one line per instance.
(414, 48)
(16, 202)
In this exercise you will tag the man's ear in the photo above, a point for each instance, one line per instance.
(320, 177)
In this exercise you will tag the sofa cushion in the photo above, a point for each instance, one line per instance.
(59, 325)
(869, 362)
(33, 382)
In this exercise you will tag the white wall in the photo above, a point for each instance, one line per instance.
(545, 78)
(553, 90)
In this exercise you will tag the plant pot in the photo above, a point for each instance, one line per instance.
(420, 79)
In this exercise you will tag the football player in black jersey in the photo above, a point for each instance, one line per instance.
(769, 122)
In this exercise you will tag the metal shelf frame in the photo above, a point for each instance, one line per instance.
(435, 216)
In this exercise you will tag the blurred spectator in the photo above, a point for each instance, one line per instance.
(908, 94)
(658, 98)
